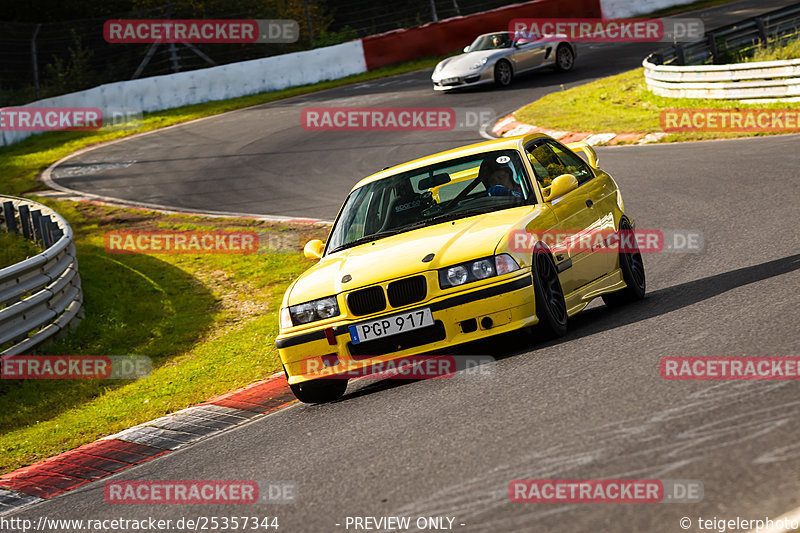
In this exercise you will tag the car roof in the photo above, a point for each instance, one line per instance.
(472, 149)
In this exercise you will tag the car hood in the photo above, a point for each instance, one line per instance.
(401, 255)
(460, 65)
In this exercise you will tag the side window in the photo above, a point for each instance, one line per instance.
(574, 164)
(550, 160)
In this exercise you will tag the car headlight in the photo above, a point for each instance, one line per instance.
(312, 311)
(479, 64)
(476, 270)
(286, 319)
(504, 264)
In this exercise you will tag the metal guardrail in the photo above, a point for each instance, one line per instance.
(41, 296)
(681, 71)
(767, 80)
(720, 44)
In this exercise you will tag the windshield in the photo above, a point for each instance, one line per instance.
(491, 41)
(430, 195)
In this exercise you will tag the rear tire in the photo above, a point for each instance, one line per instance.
(551, 309)
(503, 74)
(319, 390)
(632, 268)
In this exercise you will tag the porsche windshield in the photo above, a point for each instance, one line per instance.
(430, 195)
(491, 41)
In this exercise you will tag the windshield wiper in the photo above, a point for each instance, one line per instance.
(416, 225)
(368, 238)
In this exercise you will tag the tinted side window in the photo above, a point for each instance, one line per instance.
(550, 160)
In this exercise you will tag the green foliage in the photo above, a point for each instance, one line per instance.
(73, 74)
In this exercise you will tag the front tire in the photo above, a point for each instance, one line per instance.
(503, 74)
(632, 266)
(565, 58)
(319, 390)
(551, 309)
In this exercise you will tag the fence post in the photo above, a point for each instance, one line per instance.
(35, 60)
(25, 221)
(8, 215)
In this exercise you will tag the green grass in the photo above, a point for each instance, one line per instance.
(15, 248)
(776, 52)
(207, 322)
(620, 104)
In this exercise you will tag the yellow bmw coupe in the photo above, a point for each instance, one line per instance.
(453, 248)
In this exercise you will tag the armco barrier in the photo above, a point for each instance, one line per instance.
(678, 72)
(440, 38)
(214, 83)
(744, 81)
(42, 295)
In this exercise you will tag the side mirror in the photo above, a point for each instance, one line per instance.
(561, 185)
(314, 249)
(466, 49)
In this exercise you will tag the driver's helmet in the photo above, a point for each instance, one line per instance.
(493, 163)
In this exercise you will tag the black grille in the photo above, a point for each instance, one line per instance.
(399, 342)
(407, 291)
(366, 301)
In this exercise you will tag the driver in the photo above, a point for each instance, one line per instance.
(500, 41)
(499, 178)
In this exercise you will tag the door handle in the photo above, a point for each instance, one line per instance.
(589, 203)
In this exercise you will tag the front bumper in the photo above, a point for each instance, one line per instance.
(460, 82)
(509, 303)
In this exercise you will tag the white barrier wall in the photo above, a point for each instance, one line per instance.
(215, 83)
(615, 9)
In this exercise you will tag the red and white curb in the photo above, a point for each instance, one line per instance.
(509, 126)
(136, 445)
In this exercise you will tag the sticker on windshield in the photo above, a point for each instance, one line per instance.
(503, 159)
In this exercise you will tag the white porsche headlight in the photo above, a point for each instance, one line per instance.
(479, 64)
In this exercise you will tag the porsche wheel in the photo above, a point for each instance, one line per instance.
(551, 309)
(503, 73)
(319, 390)
(632, 266)
(565, 58)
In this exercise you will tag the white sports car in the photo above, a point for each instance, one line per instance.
(499, 57)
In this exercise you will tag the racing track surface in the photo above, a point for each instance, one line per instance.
(260, 160)
(590, 405)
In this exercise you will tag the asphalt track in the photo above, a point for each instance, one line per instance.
(590, 405)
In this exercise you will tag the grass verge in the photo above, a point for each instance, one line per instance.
(15, 248)
(207, 322)
(622, 104)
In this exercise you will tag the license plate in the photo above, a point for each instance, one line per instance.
(451, 80)
(391, 325)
